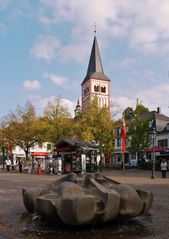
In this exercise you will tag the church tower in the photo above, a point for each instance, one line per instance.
(96, 83)
(77, 109)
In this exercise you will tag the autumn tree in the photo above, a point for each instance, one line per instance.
(3, 144)
(23, 128)
(58, 121)
(96, 125)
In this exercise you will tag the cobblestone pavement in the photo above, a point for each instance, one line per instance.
(16, 223)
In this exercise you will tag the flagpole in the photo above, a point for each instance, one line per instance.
(123, 142)
(123, 161)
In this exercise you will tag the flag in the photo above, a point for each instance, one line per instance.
(9, 148)
(123, 134)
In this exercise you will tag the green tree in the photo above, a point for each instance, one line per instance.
(129, 113)
(139, 140)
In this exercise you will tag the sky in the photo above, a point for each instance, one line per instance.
(45, 47)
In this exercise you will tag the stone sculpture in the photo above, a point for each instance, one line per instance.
(84, 199)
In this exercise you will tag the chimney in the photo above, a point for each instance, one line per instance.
(159, 110)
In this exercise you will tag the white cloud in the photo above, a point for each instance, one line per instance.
(125, 62)
(143, 23)
(56, 79)
(146, 39)
(31, 85)
(45, 48)
(151, 98)
(121, 103)
(41, 102)
(156, 97)
(76, 52)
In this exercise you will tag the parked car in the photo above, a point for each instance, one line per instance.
(133, 163)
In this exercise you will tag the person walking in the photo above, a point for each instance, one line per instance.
(163, 167)
(20, 165)
(8, 164)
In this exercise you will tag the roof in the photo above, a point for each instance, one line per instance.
(155, 115)
(160, 120)
(69, 145)
(95, 67)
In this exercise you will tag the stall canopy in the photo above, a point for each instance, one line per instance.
(39, 154)
(73, 145)
(155, 149)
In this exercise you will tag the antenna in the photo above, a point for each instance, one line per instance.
(95, 28)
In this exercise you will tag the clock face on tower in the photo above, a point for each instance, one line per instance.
(86, 91)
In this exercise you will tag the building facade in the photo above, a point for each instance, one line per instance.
(157, 131)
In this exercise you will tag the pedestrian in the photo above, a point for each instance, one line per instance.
(163, 167)
(100, 165)
(50, 169)
(39, 169)
(20, 165)
(8, 164)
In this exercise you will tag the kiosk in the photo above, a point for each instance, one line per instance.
(78, 156)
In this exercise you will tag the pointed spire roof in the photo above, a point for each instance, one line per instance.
(78, 104)
(95, 67)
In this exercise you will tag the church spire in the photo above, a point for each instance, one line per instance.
(95, 67)
(96, 83)
(95, 63)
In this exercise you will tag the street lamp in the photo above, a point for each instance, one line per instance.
(153, 159)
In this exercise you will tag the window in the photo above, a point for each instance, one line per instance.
(163, 143)
(103, 89)
(167, 126)
(49, 146)
(133, 156)
(96, 88)
(150, 124)
(119, 142)
(119, 130)
(114, 143)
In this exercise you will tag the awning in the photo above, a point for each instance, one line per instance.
(155, 149)
(63, 149)
(66, 145)
(39, 154)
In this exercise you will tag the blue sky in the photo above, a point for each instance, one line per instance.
(45, 47)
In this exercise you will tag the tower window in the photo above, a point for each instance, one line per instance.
(103, 89)
(96, 88)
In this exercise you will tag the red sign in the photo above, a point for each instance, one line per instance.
(39, 154)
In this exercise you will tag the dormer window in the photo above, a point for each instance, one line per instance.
(150, 124)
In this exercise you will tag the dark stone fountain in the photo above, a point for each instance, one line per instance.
(84, 199)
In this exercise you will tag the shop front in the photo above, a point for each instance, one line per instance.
(38, 163)
(77, 156)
